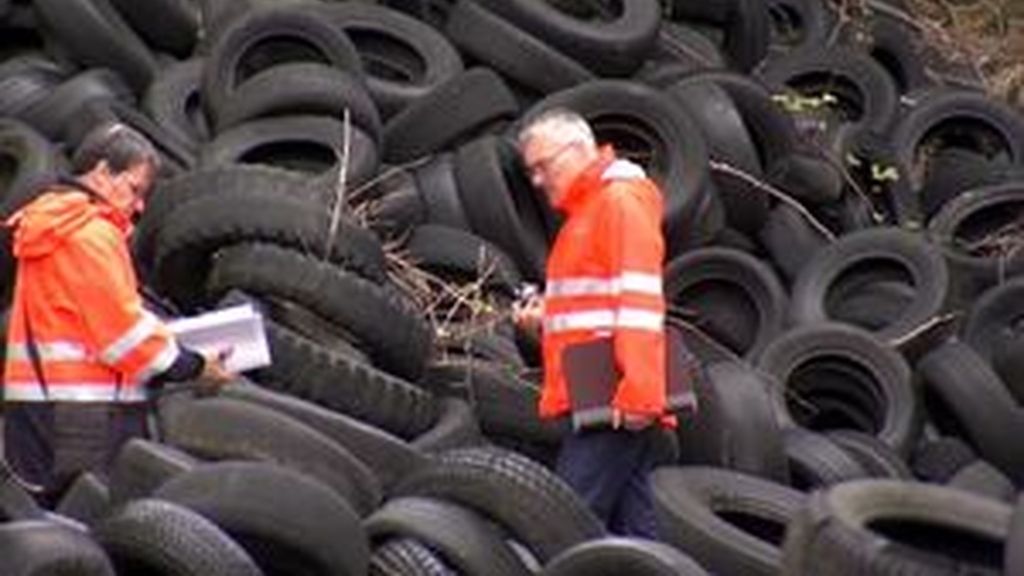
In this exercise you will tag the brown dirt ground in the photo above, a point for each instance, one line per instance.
(976, 41)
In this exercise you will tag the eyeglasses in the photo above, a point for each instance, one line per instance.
(544, 164)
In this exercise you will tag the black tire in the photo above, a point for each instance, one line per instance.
(729, 142)
(142, 466)
(815, 461)
(261, 38)
(87, 500)
(464, 539)
(984, 479)
(729, 522)
(26, 79)
(504, 404)
(456, 427)
(832, 375)
(623, 112)
(390, 458)
(869, 257)
(42, 548)
(1014, 556)
(229, 429)
(866, 94)
(798, 23)
(96, 35)
(451, 113)
(514, 53)
(311, 145)
(986, 125)
(977, 401)
(966, 220)
(156, 537)
(187, 239)
(287, 522)
(380, 320)
(173, 101)
(435, 182)
(457, 254)
(940, 459)
(168, 195)
(614, 556)
(734, 426)
(494, 207)
(865, 527)
(29, 160)
(66, 110)
(611, 47)
(537, 507)
(737, 299)
(407, 557)
(404, 58)
(335, 381)
(790, 240)
(301, 88)
(991, 330)
(168, 25)
(877, 458)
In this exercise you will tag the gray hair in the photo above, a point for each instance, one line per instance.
(559, 124)
(117, 143)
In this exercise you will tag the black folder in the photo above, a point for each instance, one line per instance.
(592, 377)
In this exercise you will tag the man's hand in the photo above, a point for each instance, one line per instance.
(528, 313)
(215, 374)
(633, 421)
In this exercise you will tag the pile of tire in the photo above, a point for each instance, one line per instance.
(843, 215)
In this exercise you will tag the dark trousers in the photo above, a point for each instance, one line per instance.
(609, 469)
(49, 443)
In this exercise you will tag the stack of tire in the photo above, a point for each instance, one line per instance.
(843, 220)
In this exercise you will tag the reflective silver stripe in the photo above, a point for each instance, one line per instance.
(159, 364)
(72, 392)
(55, 351)
(637, 318)
(639, 282)
(135, 335)
(623, 170)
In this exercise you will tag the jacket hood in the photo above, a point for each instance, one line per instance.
(43, 225)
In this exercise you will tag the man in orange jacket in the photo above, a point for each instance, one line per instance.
(81, 349)
(603, 283)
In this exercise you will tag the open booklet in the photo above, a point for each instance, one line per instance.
(238, 329)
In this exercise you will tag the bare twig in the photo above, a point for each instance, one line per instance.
(775, 193)
(339, 190)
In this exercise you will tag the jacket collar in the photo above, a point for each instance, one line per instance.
(587, 181)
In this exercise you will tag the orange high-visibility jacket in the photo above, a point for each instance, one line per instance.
(76, 283)
(604, 278)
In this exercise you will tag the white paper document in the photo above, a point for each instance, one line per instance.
(238, 329)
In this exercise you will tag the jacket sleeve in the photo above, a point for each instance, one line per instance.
(635, 253)
(125, 335)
